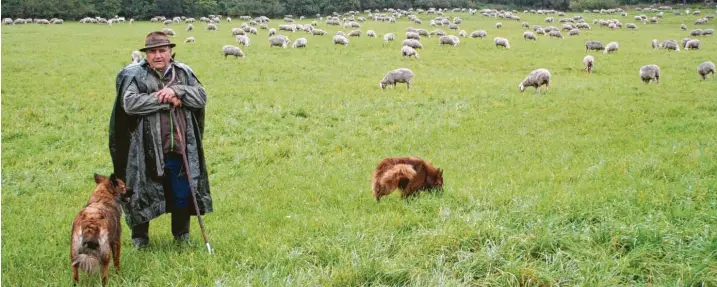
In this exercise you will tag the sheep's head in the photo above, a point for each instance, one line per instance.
(382, 84)
(521, 87)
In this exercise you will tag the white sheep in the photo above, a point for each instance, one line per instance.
(655, 44)
(341, 40)
(136, 57)
(318, 32)
(499, 41)
(278, 41)
(611, 47)
(498, 25)
(401, 75)
(527, 35)
(190, 27)
(412, 43)
(705, 69)
(574, 32)
(683, 27)
(413, 35)
(211, 27)
(449, 40)
(370, 34)
(238, 31)
(169, 32)
(388, 37)
(693, 44)
(462, 33)
(650, 73)
(536, 79)
(272, 32)
(243, 39)
(232, 50)
(299, 43)
(189, 40)
(407, 51)
(670, 45)
(555, 34)
(355, 33)
(589, 62)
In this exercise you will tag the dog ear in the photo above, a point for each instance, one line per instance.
(99, 178)
(113, 180)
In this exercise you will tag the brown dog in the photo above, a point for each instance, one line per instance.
(410, 174)
(96, 230)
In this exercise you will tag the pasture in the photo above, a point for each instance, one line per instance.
(601, 181)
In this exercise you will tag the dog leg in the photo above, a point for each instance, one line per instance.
(116, 246)
(75, 275)
(105, 271)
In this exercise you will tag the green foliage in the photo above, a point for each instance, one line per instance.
(579, 5)
(601, 181)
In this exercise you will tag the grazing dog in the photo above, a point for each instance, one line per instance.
(410, 174)
(96, 230)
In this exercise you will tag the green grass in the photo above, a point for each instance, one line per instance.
(602, 181)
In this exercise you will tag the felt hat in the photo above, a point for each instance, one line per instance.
(156, 39)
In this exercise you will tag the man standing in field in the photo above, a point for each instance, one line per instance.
(158, 118)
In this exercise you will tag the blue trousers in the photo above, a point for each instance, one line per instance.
(174, 165)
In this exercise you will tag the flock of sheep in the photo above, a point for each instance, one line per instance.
(413, 36)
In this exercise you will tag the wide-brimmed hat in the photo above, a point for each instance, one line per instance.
(156, 39)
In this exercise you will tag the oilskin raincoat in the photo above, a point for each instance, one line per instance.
(136, 145)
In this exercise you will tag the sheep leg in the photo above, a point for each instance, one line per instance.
(408, 86)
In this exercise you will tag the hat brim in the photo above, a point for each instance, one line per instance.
(171, 45)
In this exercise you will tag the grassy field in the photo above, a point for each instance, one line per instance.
(602, 181)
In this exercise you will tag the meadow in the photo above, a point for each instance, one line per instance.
(601, 181)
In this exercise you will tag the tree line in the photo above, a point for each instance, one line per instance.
(145, 9)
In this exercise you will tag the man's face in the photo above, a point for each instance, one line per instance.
(158, 58)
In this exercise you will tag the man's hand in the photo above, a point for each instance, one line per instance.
(176, 102)
(166, 95)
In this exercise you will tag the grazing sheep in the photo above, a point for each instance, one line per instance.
(650, 73)
(479, 34)
(706, 32)
(631, 26)
(611, 47)
(232, 50)
(670, 45)
(407, 51)
(169, 32)
(527, 35)
(278, 41)
(272, 32)
(693, 44)
(499, 41)
(413, 35)
(401, 75)
(189, 40)
(412, 43)
(449, 40)
(462, 33)
(370, 34)
(536, 79)
(593, 45)
(555, 34)
(655, 44)
(388, 37)
(705, 69)
(300, 43)
(190, 27)
(683, 27)
(340, 33)
(318, 32)
(136, 57)
(498, 25)
(341, 40)
(243, 39)
(696, 32)
(238, 31)
(684, 42)
(574, 32)
(211, 27)
(589, 62)
(355, 33)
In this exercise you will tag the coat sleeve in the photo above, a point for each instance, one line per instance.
(140, 104)
(192, 94)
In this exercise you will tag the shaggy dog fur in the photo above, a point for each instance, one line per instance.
(410, 174)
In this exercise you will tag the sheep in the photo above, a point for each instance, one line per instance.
(355, 33)
(499, 41)
(655, 44)
(670, 45)
(318, 32)
(611, 47)
(272, 32)
(340, 33)
(278, 41)
(684, 42)
(190, 27)
(299, 43)
(388, 37)
(683, 27)
(407, 51)
(693, 44)
(589, 62)
(536, 79)
(243, 39)
(555, 34)
(631, 26)
(341, 40)
(479, 34)
(650, 73)
(232, 50)
(706, 32)
(593, 45)
(449, 40)
(574, 32)
(462, 33)
(169, 32)
(696, 32)
(527, 35)
(401, 75)
(238, 31)
(189, 40)
(412, 43)
(136, 57)
(705, 69)
(211, 27)
(370, 34)
(413, 35)
(498, 25)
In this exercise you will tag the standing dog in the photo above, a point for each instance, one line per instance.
(96, 230)
(410, 174)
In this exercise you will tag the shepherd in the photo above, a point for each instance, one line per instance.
(155, 140)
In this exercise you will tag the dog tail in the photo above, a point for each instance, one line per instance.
(87, 248)
(87, 262)
(397, 177)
